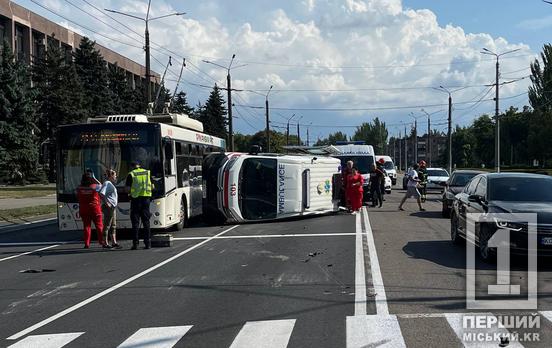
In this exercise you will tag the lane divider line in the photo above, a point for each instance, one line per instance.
(273, 236)
(28, 252)
(377, 279)
(113, 288)
(360, 271)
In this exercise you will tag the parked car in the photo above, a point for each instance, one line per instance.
(505, 193)
(454, 186)
(435, 178)
(389, 167)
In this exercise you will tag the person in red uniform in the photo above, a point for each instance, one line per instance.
(90, 207)
(354, 190)
(345, 177)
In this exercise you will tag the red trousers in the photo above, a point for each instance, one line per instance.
(355, 196)
(87, 218)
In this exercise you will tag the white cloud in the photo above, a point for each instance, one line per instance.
(320, 45)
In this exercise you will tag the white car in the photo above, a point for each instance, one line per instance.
(387, 185)
(435, 178)
(389, 167)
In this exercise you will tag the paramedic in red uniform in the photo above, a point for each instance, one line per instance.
(90, 207)
(354, 190)
(345, 178)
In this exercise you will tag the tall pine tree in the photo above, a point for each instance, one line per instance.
(213, 115)
(180, 104)
(59, 96)
(18, 129)
(121, 92)
(92, 71)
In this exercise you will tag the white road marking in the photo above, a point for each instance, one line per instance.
(547, 315)
(272, 236)
(377, 279)
(39, 221)
(382, 331)
(360, 273)
(455, 321)
(113, 288)
(38, 243)
(264, 334)
(28, 252)
(47, 341)
(156, 337)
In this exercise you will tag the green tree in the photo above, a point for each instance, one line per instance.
(332, 139)
(463, 144)
(374, 133)
(484, 145)
(242, 142)
(121, 91)
(180, 105)
(213, 115)
(59, 96)
(18, 128)
(277, 141)
(540, 93)
(92, 72)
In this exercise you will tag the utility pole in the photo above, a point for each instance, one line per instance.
(267, 121)
(405, 150)
(298, 133)
(147, 19)
(229, 93)
(428, 145)
(400, 151)
(287, 130)
(449, 132)
(497, 104)
(415, 137)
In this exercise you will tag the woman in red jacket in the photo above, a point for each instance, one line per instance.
(90, 207)
(355, 191)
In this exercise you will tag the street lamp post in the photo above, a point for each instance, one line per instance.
(298, 132)
(229, 93)
(428, 145)
(267, 120)
(287, 129)
(415, 136)
(449, 131)
(497, 105)
(147, 19)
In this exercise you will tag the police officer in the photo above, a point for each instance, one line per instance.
(139, 182)
(422, 174)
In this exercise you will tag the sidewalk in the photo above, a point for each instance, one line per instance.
(13, 203)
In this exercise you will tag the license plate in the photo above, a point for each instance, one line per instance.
(546, 241)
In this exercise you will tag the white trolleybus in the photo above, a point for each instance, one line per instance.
(171, 146)
(252, 187)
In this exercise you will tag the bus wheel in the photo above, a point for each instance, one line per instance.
(183, 215)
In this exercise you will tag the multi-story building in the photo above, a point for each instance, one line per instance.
(30, 35)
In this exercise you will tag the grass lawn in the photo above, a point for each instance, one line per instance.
(26, 191)
(19, 213)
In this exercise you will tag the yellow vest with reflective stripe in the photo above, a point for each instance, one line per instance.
(141, 183)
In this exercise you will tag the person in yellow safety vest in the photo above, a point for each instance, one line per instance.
(139, 183)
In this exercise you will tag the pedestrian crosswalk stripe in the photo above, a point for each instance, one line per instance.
(264, 334)
(47, 341)
(547, 315)
(455, 321)
(156, 337)
(382, 331)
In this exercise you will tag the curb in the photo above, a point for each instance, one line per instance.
(28, 225)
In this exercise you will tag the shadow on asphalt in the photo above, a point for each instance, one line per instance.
(444, 253)
(429, 215)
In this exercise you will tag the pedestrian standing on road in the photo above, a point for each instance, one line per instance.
(348, 170)
(380, 167)
(109, 208)
(376, 177)
(422, 175)
(355, 190)
(412, 188)
(139, 184)
(90, 207)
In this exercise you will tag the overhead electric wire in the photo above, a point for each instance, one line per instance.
(84, 27)
(113, 18)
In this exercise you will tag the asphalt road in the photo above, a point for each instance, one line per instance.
(383, 278)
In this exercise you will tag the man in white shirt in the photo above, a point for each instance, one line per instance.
(109, 208)
(412, 188)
